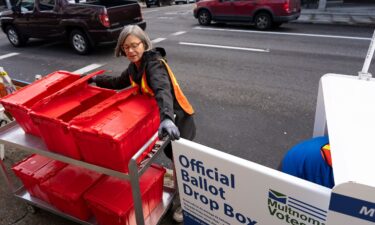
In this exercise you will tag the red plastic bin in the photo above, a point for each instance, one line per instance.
(111, 198)
(34, 170)
(153, 181)
(66, 189)
(53, 114)
(19, 103)
(110, 133)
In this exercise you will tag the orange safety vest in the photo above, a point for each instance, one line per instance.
(180, 97)
(326, 154)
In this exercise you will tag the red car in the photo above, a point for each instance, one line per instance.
(264, 14)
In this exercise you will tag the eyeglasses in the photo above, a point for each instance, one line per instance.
(132, 46)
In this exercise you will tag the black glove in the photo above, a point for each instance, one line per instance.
(167, 127)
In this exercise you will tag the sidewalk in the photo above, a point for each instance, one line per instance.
(341, 14)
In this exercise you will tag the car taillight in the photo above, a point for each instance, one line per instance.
(104, 19)
(286, 6)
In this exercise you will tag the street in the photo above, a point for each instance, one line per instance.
(254, 92)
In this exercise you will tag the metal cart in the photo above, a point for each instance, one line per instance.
(12, 134)
(4, 116)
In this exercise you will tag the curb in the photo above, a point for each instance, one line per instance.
(337, 19)
(318, 12)
(333, 23)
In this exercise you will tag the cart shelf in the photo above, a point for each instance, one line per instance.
(12, 134)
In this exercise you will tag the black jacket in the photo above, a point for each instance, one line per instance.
(160, 83)
(157, 79)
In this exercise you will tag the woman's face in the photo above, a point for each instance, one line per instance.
(134, 48)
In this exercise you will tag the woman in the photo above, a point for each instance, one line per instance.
(148, 71)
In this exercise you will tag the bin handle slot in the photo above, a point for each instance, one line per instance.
(75, 84)
(115, 99)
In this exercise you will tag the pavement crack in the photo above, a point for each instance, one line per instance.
(19, 219)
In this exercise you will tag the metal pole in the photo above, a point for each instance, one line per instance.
(322, 4)
(4, 173)
(134, 181)
(136, 192)
(9, 4)
(364, 74)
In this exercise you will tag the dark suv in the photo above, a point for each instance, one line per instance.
(84, 23)
(264, 14)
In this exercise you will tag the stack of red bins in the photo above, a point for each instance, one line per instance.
(19, 103)
(52, 114)
(66, 189)
(34, 170)
(110, 133)
(111, 198)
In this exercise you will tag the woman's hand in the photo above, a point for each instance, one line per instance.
(168, 127)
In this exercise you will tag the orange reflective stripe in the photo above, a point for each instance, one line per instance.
(145, 88)
(181, 99)
(326, 154)
(132, 82)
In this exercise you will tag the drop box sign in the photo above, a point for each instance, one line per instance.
(220, 189)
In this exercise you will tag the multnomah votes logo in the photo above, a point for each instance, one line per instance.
(294, 211)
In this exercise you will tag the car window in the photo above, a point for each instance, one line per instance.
(26, 5)
(46, 5)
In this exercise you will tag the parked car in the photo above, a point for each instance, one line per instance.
(158, 3)
(264, 14)
(84, 23)
(184, 1)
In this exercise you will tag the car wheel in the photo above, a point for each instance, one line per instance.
(148, 6)
(204, 17)
(79, 42)
(263, 21)
(32, 209)
(15, 38)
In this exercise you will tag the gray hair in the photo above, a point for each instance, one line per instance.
(132, 30)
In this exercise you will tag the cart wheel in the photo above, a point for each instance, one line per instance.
(3, 123)
(31, 209)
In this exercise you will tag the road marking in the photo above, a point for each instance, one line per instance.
(88, 68)
(225, 47)
(165, 18)
(281, 33)
(147, 11)
(157, 40)
(176, 13)
(9, 55)
(178, 33)
(171, 13)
